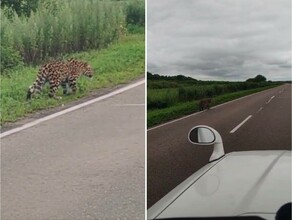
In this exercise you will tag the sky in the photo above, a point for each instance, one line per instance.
(230, 40)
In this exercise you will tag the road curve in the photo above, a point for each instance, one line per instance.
(86, 164)
(261, 121)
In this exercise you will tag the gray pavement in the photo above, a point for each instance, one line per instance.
(86, 164)
(171, 158)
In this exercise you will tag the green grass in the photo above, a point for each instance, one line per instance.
(161, 98)
(158, 116)
(119, 63)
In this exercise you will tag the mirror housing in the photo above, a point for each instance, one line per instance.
(204, 135)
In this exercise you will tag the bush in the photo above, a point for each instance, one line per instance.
(9, 58)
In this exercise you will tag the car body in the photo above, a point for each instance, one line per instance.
(248, 183)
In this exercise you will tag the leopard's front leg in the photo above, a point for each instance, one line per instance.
(53, 88)
(64, 86)
(72, 84)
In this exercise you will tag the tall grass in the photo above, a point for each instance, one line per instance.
(161, 98)
(71, 26)
(59, 27)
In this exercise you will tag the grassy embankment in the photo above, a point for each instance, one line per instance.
(109, 35)
(119, 63)
(171, 98)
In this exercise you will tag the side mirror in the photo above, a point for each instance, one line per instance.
(204, 135)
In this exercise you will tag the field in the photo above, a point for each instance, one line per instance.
(112, 43)
(172, 97)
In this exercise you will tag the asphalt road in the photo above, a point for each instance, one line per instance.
(86, 164)
(171, 158)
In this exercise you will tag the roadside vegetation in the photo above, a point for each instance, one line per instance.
(109, 35)
(170, 97)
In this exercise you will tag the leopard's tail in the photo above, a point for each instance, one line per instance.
(36, 87)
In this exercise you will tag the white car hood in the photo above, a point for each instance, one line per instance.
(241, 183)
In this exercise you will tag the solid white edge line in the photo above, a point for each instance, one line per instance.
(238, 126)
(170, 122)
(35, 122)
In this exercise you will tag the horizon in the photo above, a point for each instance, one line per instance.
(175, 75)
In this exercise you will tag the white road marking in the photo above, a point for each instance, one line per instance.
(217, 106)
(33, 123)
(261, 108)
(170, 122)
(129, 104)
(238, 126)
(270, 100)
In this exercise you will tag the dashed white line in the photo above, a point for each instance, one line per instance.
(270, 100)
(238, 126)
(261, 108)
(33, 123)
(282, 90)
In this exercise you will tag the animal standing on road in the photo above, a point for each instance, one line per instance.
(205, 104)
(59, 73)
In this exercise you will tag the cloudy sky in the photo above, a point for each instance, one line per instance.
(220, 39)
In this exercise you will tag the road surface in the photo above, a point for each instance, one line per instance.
(258, 122)
(86, 164)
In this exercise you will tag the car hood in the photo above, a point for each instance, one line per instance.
(241, 183)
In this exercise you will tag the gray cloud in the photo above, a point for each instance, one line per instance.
(220, 40)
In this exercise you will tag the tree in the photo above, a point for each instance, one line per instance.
(258, 78)
(21, 7)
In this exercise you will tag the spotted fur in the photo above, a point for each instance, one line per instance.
(56, 73)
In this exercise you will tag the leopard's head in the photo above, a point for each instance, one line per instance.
(88, 71)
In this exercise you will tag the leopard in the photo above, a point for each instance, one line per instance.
(59, 72)
(205, 104)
